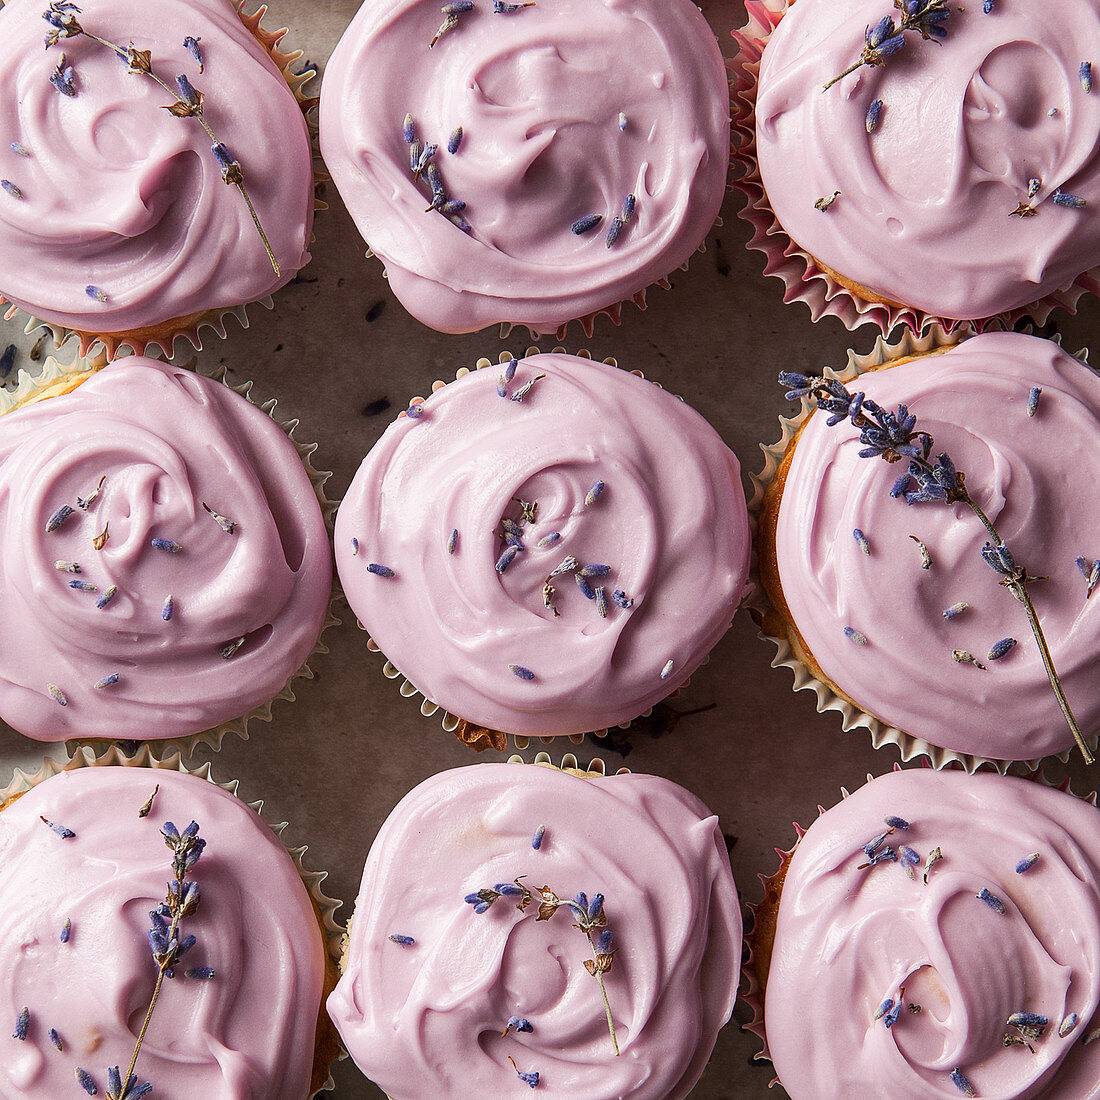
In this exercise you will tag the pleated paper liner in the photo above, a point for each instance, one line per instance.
(161, 338)
(480, 738)
(789, 652)
(328, 1045)
(804, 278)
(56, 379)
(760, 931)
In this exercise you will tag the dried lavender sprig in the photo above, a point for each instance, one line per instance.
(186, 847)
(887, 37)
(894, 436)
(67, 26)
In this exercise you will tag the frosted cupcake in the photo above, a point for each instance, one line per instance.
(571, 153)
(129, 223)
(603, 994)
(89, 933)
(546, 548)
(166, 565)
(896, 607)
(950, 172)
(934, 935)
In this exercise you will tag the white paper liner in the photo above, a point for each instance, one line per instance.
(22, 782)
(51, 371)
(189, 329)
(882, 733)
(803, 280)
(752, 992)
(408, 690)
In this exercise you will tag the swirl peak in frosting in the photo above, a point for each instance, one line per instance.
(848, 938)
(425, 1019)
(129, 609)
(662, 550)
(538, 94)
(964, 127)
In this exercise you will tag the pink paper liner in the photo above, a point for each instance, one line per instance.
(802, 278)
(752, 992)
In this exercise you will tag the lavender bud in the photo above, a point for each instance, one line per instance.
(521, 672)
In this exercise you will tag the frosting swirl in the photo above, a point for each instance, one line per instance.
(1030, 475)
(118, 195)
(923, 217)
(670, 529)
(538, 94)
(162, 442)
(426, 1019)
(256, 928)
(847, 939)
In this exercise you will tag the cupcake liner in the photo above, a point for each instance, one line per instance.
(753, 989)
(480, 738)
(764, 614)
(161, 339)
(326, 906)
(804, 279)
(596, 768)
(53, 374)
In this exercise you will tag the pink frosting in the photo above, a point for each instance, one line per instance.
(118, 195)
(671, 524)
(426, 1019)
(165, 441)
(245, 1034)
(1033, 476)
(538, 95)
(923, 214)
(847, 939)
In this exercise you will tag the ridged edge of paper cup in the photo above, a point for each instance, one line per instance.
(23, 781)
(161, 338)
(595, 769)
(759, 606)
(803, 279)
(754, 994)
(482, 738)
(52, 370)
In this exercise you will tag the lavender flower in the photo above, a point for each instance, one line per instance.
(874, 113)
(521, 672)
(85, 1080)
(1084, 74)
(536, 840)
(401, 940)
(455, 140)
(991, 900)
(959, 1080)
(61, 830)
(1001, 648)
(380, 570)
(192, 46)
(1063, 198)
(22, 1024)
(1033, 400)
(861, 541)
(1027, 863)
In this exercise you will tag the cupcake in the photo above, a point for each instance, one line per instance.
(128, 223)
(166, 566)
(601, 995)
(545, 549)
(938, 163)
(934, 935)
(228, 970)
(570, 153)
(896, 607)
